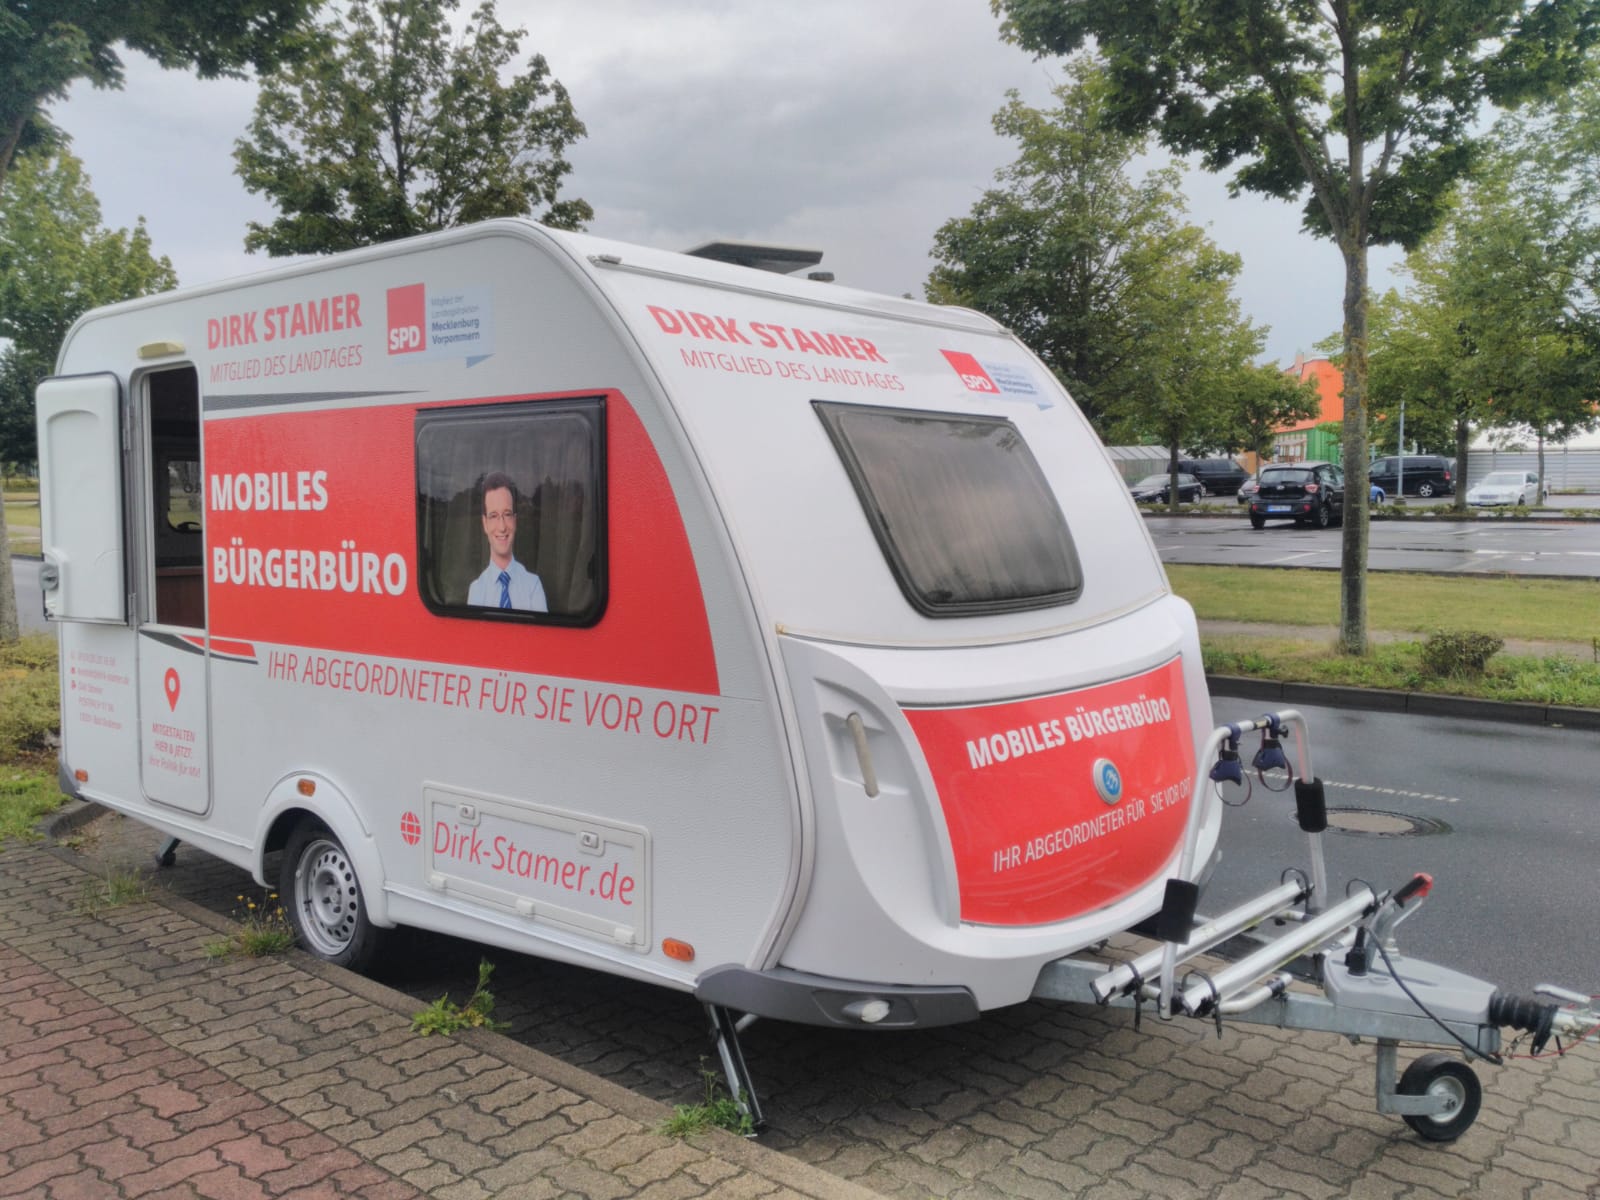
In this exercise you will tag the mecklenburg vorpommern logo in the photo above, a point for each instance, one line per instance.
(1107, 780)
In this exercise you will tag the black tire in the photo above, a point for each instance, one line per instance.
(1324, 516)
(318, 887)
(1425, 489)
(1257, 522)
(1449, 1077)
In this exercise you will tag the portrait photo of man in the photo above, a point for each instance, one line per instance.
(505, 582)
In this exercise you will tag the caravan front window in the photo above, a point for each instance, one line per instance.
(510, 511)
(962, 511)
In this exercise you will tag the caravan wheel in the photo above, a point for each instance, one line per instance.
(318, 882)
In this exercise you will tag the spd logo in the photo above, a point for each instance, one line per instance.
(406, 306)
(971, 372)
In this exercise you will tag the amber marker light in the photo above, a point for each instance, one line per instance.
(681, 951)
(306, 787)
(81, 775)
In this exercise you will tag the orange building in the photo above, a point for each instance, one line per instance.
(1307, 439)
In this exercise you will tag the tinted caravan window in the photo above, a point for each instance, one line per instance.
(511, 511)
(960, 508)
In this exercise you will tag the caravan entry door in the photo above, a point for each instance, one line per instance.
(174, 665)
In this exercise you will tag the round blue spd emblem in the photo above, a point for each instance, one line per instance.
(1107, 780)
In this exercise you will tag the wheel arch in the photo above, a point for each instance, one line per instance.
(309, 796)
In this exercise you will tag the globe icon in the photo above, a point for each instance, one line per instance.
(411, 828)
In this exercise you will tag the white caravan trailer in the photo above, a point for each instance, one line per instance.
(788, 645)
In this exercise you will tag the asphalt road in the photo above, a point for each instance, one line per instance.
(1488, 546)
(30, 607)
(1506, 820)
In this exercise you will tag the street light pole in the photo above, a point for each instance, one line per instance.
(1400, 481)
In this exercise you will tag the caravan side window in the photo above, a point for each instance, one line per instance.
(511, 511)
(960, 508)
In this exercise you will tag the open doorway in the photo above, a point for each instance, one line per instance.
(177, 499)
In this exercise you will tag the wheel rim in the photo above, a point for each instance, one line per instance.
(1454, 1094)
(326, 897)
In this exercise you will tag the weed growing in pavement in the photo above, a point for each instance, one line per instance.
(122, 885)
(718, 1110)
(444, 1015)
(263, 929)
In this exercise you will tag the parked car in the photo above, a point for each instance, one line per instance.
(1221, 476)
(1308, 493)
(1155, 488)
(1424, 475)
(1246, 490)
(1507, 487)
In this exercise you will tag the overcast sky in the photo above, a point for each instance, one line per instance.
(849, 127)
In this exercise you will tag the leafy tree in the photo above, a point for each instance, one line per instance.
(386, 128)
(1179, 390)
(1368, 107)
(56, 262)
(1090, 267)
(1261, 401)
(46, 47)
(1418, 348)
(1500, 328)
(1523, 260)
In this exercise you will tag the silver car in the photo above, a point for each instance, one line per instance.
(1507, 487)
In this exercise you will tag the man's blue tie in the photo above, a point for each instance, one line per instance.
(505, 589)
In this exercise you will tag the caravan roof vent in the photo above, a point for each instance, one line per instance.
(781, 260)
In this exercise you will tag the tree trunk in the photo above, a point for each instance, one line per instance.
(1353, 544)
(10, 631)
(1463, 451)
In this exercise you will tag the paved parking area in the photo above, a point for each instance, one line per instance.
(134, 1065)
(1035, 1101)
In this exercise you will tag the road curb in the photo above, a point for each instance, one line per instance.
(1426, 704)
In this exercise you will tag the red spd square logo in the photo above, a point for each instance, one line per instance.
(406, 306)
(971, 372)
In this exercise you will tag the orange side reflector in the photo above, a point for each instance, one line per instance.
(681, 951)
(81, 775)
(306, 787)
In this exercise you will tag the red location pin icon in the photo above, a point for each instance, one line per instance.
(170, 683)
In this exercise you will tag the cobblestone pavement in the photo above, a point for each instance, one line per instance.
(134, 1065)
(1035, 1101)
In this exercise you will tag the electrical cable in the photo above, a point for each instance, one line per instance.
(1472, 1051)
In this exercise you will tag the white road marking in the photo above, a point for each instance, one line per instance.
(1385, 791)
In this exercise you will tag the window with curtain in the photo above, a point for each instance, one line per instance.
(960, 508)
(553, 455)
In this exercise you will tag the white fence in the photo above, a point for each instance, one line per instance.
(1571, 471)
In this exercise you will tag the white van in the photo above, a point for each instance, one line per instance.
(792, 646)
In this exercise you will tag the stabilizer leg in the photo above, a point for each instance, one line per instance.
(725, 1037)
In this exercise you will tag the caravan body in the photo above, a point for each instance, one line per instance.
(857, 694)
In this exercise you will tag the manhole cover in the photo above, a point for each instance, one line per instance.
(1372, 823)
